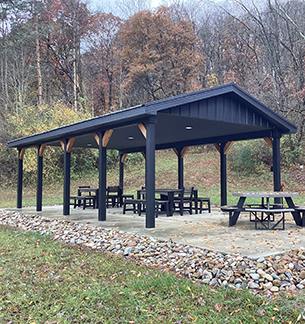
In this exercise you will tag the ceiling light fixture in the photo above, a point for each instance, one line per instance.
(188, 127)
(130, 138)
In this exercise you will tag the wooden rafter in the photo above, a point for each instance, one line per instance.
(268, 140)
(41, 150)
(142, 128)
(21, 154)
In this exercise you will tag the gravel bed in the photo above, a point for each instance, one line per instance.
(268, 276)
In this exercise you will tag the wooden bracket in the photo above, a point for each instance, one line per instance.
(97, 139)
(184, 151)
(142, 128)
(176, 151)
(124, 157)
(268, 140)
(227, 147)
(106, 137)
(217, 146)
(70, 144)
(41, 149)
(62, 144)
(21, 154)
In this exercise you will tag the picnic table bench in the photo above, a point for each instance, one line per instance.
(138, 206)
(84, 201)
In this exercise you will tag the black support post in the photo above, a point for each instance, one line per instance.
(223, 175)
(276, 159)
(39, 180)
(121, 172)
(150, 173)
(67, 178)
(102, 179)
(20, 179)
(180, 169)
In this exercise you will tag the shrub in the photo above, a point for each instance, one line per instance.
(250, 157)
(33, 120)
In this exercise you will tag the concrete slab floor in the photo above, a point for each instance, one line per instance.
(205, 230)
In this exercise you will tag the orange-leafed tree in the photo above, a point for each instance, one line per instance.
(160, 56)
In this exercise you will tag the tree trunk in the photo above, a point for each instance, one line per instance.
(38, 58)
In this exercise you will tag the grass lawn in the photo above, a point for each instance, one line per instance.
(43, 280)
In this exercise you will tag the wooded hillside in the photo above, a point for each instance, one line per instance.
(56, 53)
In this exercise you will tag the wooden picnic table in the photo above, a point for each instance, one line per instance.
(89, 191)
(170, 196)
(288, 196)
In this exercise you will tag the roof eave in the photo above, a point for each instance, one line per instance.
(80, 128)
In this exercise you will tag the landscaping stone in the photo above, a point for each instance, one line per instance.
(268, 275)
(254, 276)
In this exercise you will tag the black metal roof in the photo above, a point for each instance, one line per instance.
(218, 114)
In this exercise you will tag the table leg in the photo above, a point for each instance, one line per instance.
(296, 215)
(196, 201)
(170, 203)
(234, 218)
(303, 219)
(78, 194)
(96, 197)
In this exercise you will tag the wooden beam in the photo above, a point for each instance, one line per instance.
(227, 147)
(217, 146)
(42, 149)
(268, 140)
(124, 157)
(21, 154)
(106, 137)
(142, 128)
(184, 151)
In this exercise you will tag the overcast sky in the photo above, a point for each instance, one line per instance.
(97, 4)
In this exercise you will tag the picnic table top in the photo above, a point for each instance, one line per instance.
(87, 189)
(266, 194)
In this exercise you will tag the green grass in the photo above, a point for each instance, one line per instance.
(42, 280)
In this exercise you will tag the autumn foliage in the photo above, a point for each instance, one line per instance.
(160, 56)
